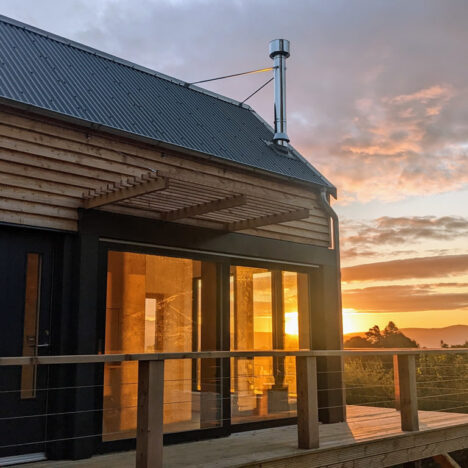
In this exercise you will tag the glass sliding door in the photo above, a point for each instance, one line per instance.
(269, 309)
(153, 304)
(251, 329)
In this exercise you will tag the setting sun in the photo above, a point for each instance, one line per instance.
(291, 323)
(350, 321)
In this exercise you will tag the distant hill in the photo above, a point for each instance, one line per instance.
(431, 337)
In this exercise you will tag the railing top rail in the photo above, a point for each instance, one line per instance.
(102, 358)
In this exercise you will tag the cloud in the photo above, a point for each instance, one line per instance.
(377, 94)
(393, 147)
(369, 238)
(424, 267)
(424, 96)
(351, 253)
(403, 299)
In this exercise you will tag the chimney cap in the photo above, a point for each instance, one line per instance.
(279, 47)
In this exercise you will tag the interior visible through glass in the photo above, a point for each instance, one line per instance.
(268, 310)
(31, 320)
(156, 303)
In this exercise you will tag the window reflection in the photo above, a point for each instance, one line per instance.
(157, 303)
(265, 309)
(30, 323)
(154, 304)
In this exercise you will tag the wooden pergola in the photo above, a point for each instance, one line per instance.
(173, 199)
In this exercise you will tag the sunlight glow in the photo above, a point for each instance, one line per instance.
(291, 326)
(349, 320)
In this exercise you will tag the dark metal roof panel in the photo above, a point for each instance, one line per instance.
(47, 72)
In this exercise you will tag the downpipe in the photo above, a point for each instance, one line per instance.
(324, 201)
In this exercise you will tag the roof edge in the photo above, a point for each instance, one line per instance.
(157, 143)
(119, 60)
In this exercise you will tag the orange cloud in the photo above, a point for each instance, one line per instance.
(402, 299)
(425, 96)
(397, 230)
(403, 236)
(424, 267)
(396, 146)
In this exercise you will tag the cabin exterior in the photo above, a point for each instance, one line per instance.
(141, 214)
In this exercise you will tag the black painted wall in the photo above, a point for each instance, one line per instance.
(78, 315)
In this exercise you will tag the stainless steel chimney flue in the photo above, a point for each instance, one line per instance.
(279, 52)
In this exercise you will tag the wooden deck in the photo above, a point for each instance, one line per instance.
(371, 438)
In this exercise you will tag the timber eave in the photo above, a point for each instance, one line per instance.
(162, 145)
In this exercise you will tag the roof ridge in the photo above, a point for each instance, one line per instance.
(120, 60)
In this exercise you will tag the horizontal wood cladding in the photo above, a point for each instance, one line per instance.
(46, 167)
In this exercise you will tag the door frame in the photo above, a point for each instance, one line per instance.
(47, 244)
(224, 263)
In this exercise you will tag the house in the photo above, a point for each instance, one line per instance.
(139, 213)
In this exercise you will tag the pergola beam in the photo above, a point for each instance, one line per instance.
(266, 220)
(204, 208)
(130, 188)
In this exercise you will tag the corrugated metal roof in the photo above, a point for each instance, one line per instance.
(52, 73)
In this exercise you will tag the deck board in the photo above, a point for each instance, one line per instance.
(371, 435)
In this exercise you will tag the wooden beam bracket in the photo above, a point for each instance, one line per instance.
(129, 188)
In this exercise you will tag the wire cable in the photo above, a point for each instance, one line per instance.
(257, 90)
(251, 72)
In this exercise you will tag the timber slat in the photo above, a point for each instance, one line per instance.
(31, 195)
(48, 157)
(37, 220)
(21, 206)
(134, 151)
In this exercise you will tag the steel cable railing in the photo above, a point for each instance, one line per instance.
(437, 380)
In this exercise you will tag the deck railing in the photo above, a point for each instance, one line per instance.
(149, 436)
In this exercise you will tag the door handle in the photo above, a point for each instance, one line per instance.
(43, 345)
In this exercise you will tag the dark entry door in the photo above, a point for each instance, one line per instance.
(25, 303)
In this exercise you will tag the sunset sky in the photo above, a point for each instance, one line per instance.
(377, 101)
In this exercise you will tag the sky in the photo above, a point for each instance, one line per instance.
(377, 100)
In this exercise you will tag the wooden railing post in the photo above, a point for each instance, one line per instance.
(408, 392)
(307, 402)
(396, 382)
(149, 444)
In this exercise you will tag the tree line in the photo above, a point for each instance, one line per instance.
(442, 379)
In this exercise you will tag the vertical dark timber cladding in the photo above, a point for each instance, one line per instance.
(81, 322)
(60, 377)
(74, 419)
(86, 376)
(326, 334)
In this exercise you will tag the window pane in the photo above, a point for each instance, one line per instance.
(154, 304)
(291, 331)
(266, 307)
(31, 316)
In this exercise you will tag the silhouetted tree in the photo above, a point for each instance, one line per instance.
(357, 342)
(442, 379)
(391, 337)
(373, 336)
(464, 345)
